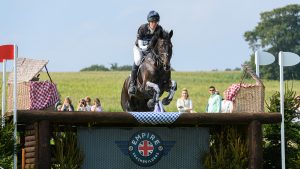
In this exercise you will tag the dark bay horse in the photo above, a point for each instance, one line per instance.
(154, 77)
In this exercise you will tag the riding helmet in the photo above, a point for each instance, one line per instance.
(153, 16)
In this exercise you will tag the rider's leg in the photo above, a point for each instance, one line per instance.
(137, 55)
(132, 84)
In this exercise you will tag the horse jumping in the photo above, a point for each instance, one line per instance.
(154, 77)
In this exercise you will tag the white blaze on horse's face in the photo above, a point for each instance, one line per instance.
(165, 50)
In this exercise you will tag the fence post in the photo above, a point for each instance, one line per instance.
(44, 155)
(255, 145)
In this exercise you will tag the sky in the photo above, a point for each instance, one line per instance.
(74, 34)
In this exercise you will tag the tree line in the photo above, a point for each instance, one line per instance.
(113, 67)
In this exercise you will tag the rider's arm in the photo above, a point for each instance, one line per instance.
(141, 45)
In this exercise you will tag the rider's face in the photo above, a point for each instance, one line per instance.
(153, 24)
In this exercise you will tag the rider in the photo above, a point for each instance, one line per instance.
(140, 49)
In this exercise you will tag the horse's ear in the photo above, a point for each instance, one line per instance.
(171, 34)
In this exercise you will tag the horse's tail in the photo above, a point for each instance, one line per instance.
(124, 95)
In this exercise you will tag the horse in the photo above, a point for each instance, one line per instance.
(153, 78)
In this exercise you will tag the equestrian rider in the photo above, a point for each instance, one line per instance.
(140, 49)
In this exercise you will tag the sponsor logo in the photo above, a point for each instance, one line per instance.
(145, 148)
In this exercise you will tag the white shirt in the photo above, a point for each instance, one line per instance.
(184, 104)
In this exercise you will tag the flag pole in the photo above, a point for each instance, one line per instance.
(15, 105)
(282, 110)
(3, 92)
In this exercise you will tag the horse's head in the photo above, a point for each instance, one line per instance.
(163, 48)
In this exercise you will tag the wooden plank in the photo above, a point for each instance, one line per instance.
(255, 145)
(29, 149)
(30, 155)
(30, 132)
(29, 138)
(44, 156)
(30, 160)
(30, 143)
(29, 166)
(120, 118)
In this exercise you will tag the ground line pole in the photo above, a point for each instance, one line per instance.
(3, 92)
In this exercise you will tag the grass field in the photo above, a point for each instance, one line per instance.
(108, 85)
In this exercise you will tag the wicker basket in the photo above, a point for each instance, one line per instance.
(23, 97)
(250, 98)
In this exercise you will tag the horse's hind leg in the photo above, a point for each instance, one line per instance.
(171, 91)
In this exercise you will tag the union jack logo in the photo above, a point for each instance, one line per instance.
(145, 148)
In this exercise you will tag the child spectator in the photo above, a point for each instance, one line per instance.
(97, 105)
(81, 105)
(67, 106)
(88, 103)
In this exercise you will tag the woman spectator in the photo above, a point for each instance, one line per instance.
(81, 105)
(67, 106)
(97, 105)
(184, 104)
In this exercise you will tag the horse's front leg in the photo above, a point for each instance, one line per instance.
(172, 89)
(151, 103)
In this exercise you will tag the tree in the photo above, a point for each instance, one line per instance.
(272, 146)
(95, 68)
(6, 145)
(278, 30)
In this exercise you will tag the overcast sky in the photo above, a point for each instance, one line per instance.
(73, 34)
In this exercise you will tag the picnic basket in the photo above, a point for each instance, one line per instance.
(249, 97)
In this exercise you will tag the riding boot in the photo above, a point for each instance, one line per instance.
(132, 83)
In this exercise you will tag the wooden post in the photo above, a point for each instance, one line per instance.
(23, 158)
(255, 145)
(44, 155)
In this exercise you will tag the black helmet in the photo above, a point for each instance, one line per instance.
(153, 16)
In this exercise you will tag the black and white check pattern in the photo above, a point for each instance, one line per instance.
(155, 117)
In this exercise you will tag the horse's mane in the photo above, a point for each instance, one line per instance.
(161, 34)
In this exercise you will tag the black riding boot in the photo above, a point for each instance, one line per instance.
(132, 84)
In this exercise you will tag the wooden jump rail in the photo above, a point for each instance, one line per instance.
(43, 119)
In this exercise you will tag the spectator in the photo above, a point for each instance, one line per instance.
(58, 108)
(97, 105)
(81, 105)
(88, 103)
(214, 101)
(184, 104)
(67, 106)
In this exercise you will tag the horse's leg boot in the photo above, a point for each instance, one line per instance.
(132, 83)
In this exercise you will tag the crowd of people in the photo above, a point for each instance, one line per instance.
(215, 103)
(84, 104)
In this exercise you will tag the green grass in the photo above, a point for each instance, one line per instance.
(108, 85)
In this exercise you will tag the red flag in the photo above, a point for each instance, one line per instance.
(6, 52)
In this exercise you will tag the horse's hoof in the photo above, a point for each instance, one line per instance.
(151, 104)
(166, 101)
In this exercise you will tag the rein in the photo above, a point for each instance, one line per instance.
(157, 57)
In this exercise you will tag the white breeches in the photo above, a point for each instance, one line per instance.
(137, 55)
